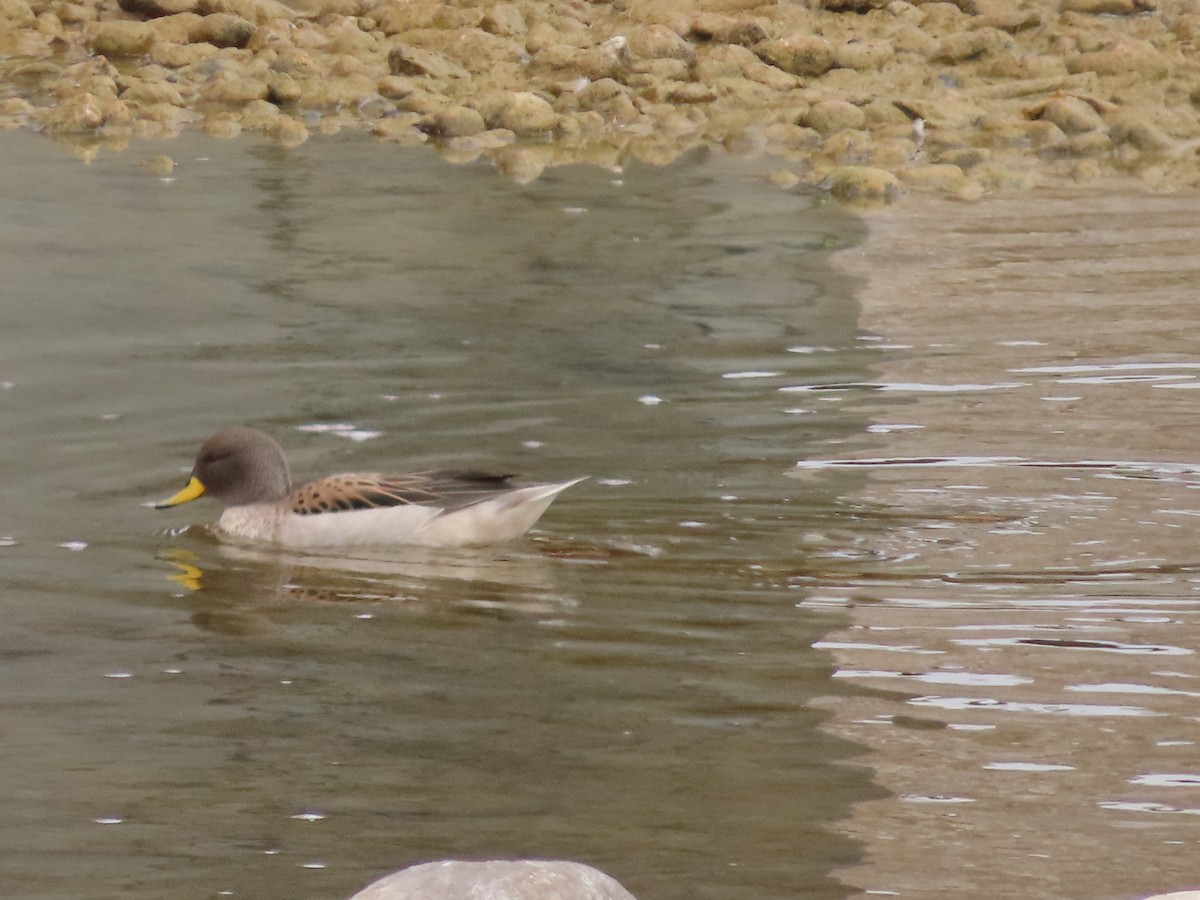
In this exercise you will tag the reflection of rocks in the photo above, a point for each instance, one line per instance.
(825, 85)
(497, 880)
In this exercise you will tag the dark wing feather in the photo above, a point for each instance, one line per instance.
(450, 489)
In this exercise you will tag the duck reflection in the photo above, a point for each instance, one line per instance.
(245, 590)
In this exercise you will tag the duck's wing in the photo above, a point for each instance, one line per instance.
(447, 489)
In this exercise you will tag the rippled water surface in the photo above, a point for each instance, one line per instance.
(884, 581)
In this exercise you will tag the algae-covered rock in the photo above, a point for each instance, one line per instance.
(1072, 114)
(799, 54)
(151, 9)
(524, 113)
(119, 39)
(864, 185)
(829, 116)
(458, 121)
(221, 30)
(417, 61)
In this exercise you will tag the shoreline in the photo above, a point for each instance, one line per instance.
(865, 98)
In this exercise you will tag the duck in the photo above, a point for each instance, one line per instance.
(247, 471)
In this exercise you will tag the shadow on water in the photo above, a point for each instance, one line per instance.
(633, 686)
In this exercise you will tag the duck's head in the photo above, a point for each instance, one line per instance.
(237, 465)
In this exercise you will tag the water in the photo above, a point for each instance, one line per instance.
(1028, 619)
(883, 582)
(631, 688)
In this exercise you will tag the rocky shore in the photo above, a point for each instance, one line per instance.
(867, 98)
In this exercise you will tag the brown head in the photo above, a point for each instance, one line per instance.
(237, 465)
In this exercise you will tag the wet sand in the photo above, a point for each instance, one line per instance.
(866, 98)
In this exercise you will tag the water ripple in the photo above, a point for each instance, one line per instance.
(1059, 709)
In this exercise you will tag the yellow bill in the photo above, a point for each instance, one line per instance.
(194, 489)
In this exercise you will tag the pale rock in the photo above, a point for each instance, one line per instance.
(524, 113)
(500, 879)
(116, 38)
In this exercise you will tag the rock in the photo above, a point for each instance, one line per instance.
(524, 113)
(911, 39)
(885, 113)
(221, 30)
(16, 12)
(847, 147)
(287, 130)
(939, 177)
(283, 88)
(690, 92)
(599, 93)
(120, 38)
(228, 88)
(864, 185)
(75, 13)
(853, 6)
(522, 165)
(965, 158)
(1108, 7)
(402, 18)
(376, 106)
(891, 154)
(1135, 131)
(260, 12)
(178, 56)
(143, 93)
(656, 71)
(335, 93)
(160, 165)
(398, 129)
(863, 55)
(725, 61)
(610, 59)
(1129, 57)
(800, 54)
(396, 87)
(499, 879)
(458, 121)
(619, 109)
(405, 60)
(174, 29)
(787, 138)
(1043, 135)
(349, 39)
(259, 115)
(720, 29)
(968, 45)
(660, 42)
(77, 114)
(1090, 143)
(748, 142)
(1071, 114)
(1006, 15)
(16, 106)
(222, 126)
(423, 103)
(829, 116)
(503, 19)
(152, 9)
